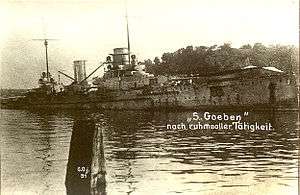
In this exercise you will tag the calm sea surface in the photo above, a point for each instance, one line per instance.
(144, 157)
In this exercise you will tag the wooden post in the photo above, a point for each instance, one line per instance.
(86, 163)
(98, 171)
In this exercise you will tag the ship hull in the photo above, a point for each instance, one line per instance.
(146, 104)
(274, 93)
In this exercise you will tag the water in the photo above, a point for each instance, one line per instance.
(143, 157)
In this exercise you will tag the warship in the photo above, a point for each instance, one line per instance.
(126, 85)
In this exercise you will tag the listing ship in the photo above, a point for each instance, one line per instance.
(126, 85)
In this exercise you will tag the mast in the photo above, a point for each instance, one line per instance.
(128, 40)
(47, 65)
(46, 50)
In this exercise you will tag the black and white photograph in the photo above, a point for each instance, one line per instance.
(144, 97)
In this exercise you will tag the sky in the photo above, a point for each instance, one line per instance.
(90, 29)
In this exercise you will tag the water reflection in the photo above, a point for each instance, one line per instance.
(141, 149)
(33, 148)
(143, 157)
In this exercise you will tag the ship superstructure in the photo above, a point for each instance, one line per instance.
(128, 87)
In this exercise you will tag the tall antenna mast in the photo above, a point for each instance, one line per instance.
(46, 50)
(128, 40)
(46, 46)
(47, 64)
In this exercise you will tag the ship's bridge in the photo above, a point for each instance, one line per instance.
(123, 64)
(123, 72)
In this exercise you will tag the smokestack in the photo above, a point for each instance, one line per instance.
(79, 70)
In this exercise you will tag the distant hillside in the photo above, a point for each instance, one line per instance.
(12, 92)
(207, 59)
